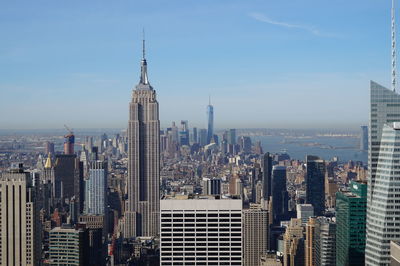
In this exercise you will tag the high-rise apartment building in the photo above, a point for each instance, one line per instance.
(255, 234)
(383, 217)
(351, 212)
(95, 188)
(203, 231)
(19, 219)
(315, 184)
(279, 193)
(210, 122)
(142, 214)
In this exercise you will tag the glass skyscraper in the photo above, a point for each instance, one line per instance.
(315, 184)
(351, 211)
(383, 217)
(385, 108)
(95, 189)
(210, 123)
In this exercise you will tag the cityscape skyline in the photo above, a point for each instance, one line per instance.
(282, 57)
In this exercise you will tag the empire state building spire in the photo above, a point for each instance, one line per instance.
(144, 79)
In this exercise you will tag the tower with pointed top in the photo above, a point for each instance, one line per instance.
(142, 213)
(210, 122)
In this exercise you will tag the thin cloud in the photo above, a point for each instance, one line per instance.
(313, 30)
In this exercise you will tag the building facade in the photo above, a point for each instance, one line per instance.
(255, 234)
(351, 213)
(383, 216)
(19, 219)
(95, 188)
(315, 184)
(204, 231)
(142, 214)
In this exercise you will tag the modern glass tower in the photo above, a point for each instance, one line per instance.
(351, 211)
(315, 184)
(210, 122)
(383, 214)
(95, 189)
(142, 214)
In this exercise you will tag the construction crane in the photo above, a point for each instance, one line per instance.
(68, 129)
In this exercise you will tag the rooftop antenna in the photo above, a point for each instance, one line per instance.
(144, 47)
(209, 99)
(393, 48)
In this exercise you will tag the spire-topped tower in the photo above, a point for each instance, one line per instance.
(393, 47)
(143, 205)
(144, 80)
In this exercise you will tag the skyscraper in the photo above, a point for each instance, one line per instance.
(203, 231)
(266, 164)
(382, 214)
(95, 188)
(364, 138)
(279, 193)
(315, 184)
(210, 122)
(142, 214)
(325, 242)
(255, 234)
(351, 211)
(19, 219)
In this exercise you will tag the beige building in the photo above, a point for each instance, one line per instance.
(309, 242)
(19, 220)
(143, 206)
(293, 249)
(255, 234)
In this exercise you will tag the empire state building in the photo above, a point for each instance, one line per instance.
(142, 213)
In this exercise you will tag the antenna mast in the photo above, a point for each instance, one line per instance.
(393, 48)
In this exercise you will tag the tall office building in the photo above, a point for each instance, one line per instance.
(203, 231)
(310, 242)
(68, 173)
(364, 138)
(19, 219)
(67, 247)
(232, 136)
(95, 188)
(266, 164)
(210, 122)
(255, 234)
(203, 137)
(184, 133)
(351, 212)
(293, 250)
(195, 138)
(142, 214)
(315, 184)
(245, 144)
(325, 242)
(280, 195)
(383, 217)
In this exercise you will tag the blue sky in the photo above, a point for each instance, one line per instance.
(275, 63)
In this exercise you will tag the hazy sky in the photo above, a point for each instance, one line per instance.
(275, 63)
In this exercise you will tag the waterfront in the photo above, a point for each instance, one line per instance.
(346, 148)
